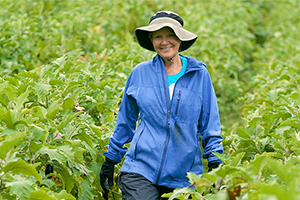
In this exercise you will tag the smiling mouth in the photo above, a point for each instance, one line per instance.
(166, 48)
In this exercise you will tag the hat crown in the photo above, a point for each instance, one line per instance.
(169, 14)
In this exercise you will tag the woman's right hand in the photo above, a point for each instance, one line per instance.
(107, 176)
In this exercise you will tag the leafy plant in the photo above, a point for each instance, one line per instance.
(64, 65)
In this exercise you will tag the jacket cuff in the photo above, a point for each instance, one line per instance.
(110, 161)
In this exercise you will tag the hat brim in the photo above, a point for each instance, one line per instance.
(186, 37)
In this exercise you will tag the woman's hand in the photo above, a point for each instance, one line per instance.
(107, 173)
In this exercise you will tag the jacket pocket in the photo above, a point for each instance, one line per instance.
(178, 101)
(137, 142)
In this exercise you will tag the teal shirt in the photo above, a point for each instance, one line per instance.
(172, 79)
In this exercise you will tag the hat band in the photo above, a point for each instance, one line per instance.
(163, 20)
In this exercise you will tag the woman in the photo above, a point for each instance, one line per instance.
(172, 98)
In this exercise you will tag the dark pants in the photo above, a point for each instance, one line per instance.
(137, 187)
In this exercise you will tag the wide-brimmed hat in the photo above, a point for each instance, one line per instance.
(165, 19)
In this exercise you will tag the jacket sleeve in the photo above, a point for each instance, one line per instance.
(209, 122)
(125, 125)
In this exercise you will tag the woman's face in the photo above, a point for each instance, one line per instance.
(165, 42)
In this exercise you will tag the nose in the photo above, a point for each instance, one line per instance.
(164, 40)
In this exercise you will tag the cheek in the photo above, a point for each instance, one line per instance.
(155, 46)
(178, 43)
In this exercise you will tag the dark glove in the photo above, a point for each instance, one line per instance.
(213, 165)
(107, 172)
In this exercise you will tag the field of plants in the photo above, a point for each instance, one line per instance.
(64, 64)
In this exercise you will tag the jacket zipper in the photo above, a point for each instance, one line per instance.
(168, 123)
(165, 149)
(168, 131)
(178, 100)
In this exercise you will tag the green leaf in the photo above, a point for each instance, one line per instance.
(255, 122)
(3, 86)
(220, 196)
(8, 117)
(53, 109)
(246, 143)
(96, 130)
(40, 112)
(88, 191)
(236, 160)
(233, 171)
(72, 86)
(35, 145)
(38, 132)
(29, 74)
(259, 162)
(295, 95)
(69, 103)
(57, 82)
(193, 177)
(180, 192)
(41, 90)
(78, 151)
(66, 120)
(20, 166)
(68, 152)
(20, 101)
(12, 81)
(21, 187)
(211, 177)
(91, 149)
(41, 195)
(48, 182)
(292, 122)
(84, 170)
(60, 61)
(64, 195)
(20, 122)
(84, 137)
(93, 85)
(274, 191)
(225, 158)
(54, 154)
(14, 139)
(284, 172)
(69, 180)
(273, 94)
(245, 132)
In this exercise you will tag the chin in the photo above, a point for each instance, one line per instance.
(168, 56)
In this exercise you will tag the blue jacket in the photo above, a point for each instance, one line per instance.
(165, 144)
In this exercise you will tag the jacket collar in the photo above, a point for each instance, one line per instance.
(192, 64)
